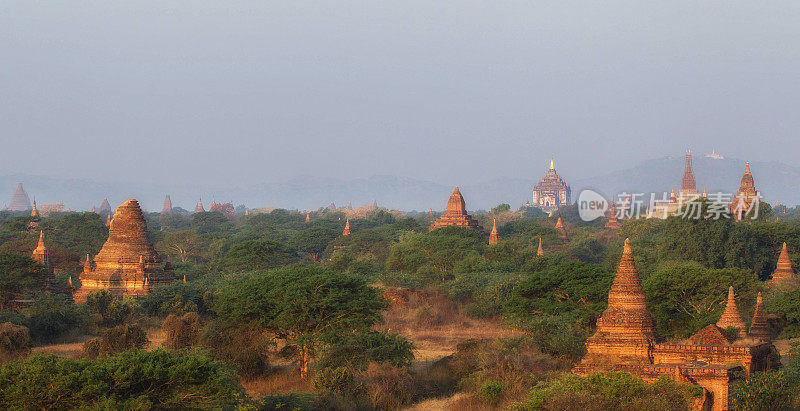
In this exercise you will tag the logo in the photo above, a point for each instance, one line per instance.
(591, 205)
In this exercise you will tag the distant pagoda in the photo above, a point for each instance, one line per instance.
(41, 255)
(731, 318)
(20, 200)
(456, 214)
(346, 230)
(784, 276)
(540, 250)
(746, 197)
(759, 328)
(127, 265)
(551, 192)
(105, 207)
(688, 185)
(613, 222)
(167, 207)
(493, 235)
(562, 232)
(199, 207)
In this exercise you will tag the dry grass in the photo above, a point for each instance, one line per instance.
(458, 401)
(284, 380)
(74, 347)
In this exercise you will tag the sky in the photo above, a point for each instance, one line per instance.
(213, 92)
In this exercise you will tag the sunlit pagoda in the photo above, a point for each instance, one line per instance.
(551, 192)
(127, 265)
(746, 198)
(456, 214)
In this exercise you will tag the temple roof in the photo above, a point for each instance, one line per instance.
(127, 236)
(105, 206)
(19, 200)
(731, 317)
(784, 274)
(456, 204)
(613, 222)
(551, 180)
(199, 207)
(711, 335)
(167, 208)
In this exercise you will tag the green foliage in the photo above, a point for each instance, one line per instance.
(685, 297)
(787, 306)
(115, 340)
(434, 253)
(52, 316)
(210, 223)
(610, 391)
(557, 335)
(80, 233)
(257, 254)
(183, 331)
(132, 380)
(491, 392)
(303, 304)
(243, 347)
(15, 341)
(107, 310)
(177, 298)
(20, 276)
(357, 350)
(501, 208)
(773, 390)
(313, 241)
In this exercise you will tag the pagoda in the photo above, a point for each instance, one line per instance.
(127, 265)
(688, 185)
(613, 222)
(199, 207)
(105, 207)
(167, 207)
(493, 235)
(759, 328)
(540, 250)
(20, 200)
(41, 255)
(731, 318)
(34, 210)
(562, 232)
(551, 192)
(346, 230)
(746, 198)
(456, 214)
(784, 277)
(308, 217)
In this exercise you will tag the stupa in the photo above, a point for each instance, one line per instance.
(19, 200)
(199, 207)
(784, 277)
(688, 185)
(308, 216)
(493, 235)
(759, 328)
(746, 198)
(41, 255)
(456, 214)
(551, 192)
(613, 222)
(167, 207)
(105, 207)
(626, 329)
(731, 318)
(226, 209)
(127, 265)
(540, 251)
(34, 210)
(562, 232)
(346, 230)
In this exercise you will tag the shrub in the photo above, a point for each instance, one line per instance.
(766, 390)
(243, 347)
(52, 316)
(15, 341)
(388, 387)
(107, 310)
(182, 331)
(177, 298)
(491, 392)
(115, 340)
(357, 350)
(339, 381)
(135, 379)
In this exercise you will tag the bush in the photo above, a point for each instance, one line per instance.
(388, 387)
(107, 310)
(135, 379)
(52, 316)
(115, 340)
(357, 350)
(242, 347)
(610, 391)
(177, 298)
(777, 390)
(15, 341)
(182, 331)
(339, 381)
(491, 392)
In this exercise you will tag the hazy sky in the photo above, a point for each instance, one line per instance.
(442, 90)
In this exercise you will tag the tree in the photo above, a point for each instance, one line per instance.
(304, 305)
(184, 245)
(314, 240)
(256, 254)
(440, 250)
(19, 275)
(502, 208)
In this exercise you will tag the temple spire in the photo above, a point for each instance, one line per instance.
(731, 317)
(552, 164)
(784, 277)
(493, 235)
(562, 232)
(759, 328)
(346, 227)
(688, 183)
(199, 207)
(40, 253)
(540, 250)
(34, 211)
(308, 216)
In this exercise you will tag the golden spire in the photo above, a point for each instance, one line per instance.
(493, 234)
(540, 251)
(34, 211)
(552, 165)
(346, 227)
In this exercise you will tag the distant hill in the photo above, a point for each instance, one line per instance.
(776, 181)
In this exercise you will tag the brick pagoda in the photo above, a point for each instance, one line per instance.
(746, 198)
(784, 277)
(456, 214)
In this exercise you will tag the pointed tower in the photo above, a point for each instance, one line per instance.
(456, 214)
(350, 205)
(105, 207)
(34, 211)
(199, 207)
(540, 251)
(562, 232)
(688, 185)
(759, 328)
(625, 330)
(346, 228)
(308, 216)
(493, 235)
(108, 220)
(613, 222)
(746, 197)
(784, 277)
(41, 255)
(731, 317)
(551, 192)
(20, 200)
(374, 204)
(167, 207)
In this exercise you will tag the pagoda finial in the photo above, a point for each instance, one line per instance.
(41, 239)
(747, 168)
(731, 317)
(34, 211)
(552, 164)
(184, 278)
(346, 230)
(493, 235)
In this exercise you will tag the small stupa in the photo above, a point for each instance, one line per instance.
(745, 197)
(34, 211)
(199, 207)
(167, 207)
(731, 317)
(456, 214)
(493, 235)
(613, 222)
(127, 264)
(41, 255)
(784, 277)
(562, 232)
(759, 328)
(308, 216)
(346, 230)
(105, 207)
(540, 251)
